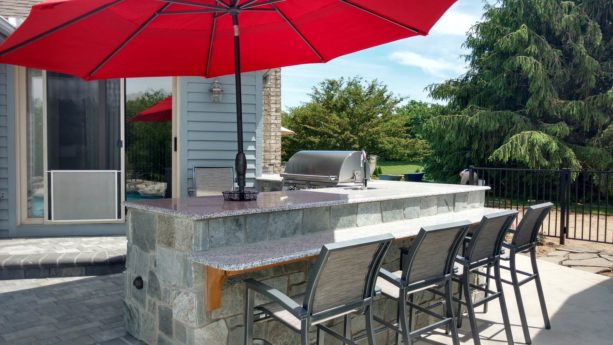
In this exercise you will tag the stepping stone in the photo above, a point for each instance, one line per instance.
(592, 269)
(607, 256)
(581, 256)
(596, 262)
(558, 253)
(555, 259)
(577, 250)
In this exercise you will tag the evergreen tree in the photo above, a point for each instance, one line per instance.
(538, 92)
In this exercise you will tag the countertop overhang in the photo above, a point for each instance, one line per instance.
(261, 254)
(200, 208)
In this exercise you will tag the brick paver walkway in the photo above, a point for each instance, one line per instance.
(63, 311)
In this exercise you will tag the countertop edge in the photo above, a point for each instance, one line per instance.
(231, 213)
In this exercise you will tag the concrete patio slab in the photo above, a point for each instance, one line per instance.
(580, 307)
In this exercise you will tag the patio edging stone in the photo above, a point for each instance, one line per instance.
(47, 265)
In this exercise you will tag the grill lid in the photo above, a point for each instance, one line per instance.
(325, 166)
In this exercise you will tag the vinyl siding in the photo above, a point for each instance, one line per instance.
(208, 130)
(4, 149)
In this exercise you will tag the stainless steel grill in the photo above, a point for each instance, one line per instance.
(317, 169)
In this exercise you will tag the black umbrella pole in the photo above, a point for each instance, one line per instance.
(240, 162)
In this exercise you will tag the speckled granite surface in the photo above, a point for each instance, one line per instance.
(253, 255)
(215, 206)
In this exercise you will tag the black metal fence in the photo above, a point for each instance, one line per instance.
(583, 199)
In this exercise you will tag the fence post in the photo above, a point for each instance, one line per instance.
(471, 175)
(564, 202)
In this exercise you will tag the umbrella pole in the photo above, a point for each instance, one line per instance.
(240, 161)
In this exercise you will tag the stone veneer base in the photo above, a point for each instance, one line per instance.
(170, 308)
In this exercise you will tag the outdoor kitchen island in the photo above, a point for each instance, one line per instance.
(187, 257)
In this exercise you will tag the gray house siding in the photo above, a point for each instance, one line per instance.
(208, 130)
(4, 151)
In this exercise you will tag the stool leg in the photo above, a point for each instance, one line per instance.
(398, 316)
(304, 333)
(370, 332)
(503, 304)
(410, 310)
(487, 286)
(449, 308)
(520, 303)
(459, 313)
(402, 321)
(470, 308)
(320, 336)
(249, 303)
(539, 288)
(346, 326)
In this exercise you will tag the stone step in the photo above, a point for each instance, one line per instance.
(51, 265)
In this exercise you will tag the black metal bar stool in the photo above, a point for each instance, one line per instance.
(428, 264)
(482, 250)
(525, 239)
(341, 282)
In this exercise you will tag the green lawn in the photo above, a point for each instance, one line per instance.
(398, 167)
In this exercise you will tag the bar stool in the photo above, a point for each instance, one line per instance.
(342, 282)
(427, 264)
(482, 250)
(525, 238)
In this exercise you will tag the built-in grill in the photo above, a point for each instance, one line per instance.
(317, 169)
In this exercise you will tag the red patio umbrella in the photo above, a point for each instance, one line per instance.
(159, 112)
(99, 39)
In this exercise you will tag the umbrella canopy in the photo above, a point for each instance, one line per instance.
(100, 39)
(159, 112)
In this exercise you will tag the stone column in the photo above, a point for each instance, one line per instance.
(271, 114)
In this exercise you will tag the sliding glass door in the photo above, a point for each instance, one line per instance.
(73, 135)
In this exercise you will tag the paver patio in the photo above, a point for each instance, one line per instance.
(88, 310)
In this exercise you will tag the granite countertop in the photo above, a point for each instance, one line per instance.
(215, 207)
(259, 254)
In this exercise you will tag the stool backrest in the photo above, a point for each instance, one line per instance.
(527, 230)
(345, 274)
(487, 239)
(431, 255)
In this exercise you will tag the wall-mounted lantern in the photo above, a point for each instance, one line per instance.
(216, 92)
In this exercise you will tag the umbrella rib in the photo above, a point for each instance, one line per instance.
(257, 10)
(304, 39)
(210, 53)
(190, 12)
(249, 2)
(382, 17)
(59, 27)
(127, 40)
(198, 4)
(249, 5)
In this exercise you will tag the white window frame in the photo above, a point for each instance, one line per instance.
(22, 157)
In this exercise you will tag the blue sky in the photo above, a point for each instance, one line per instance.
(405, 66)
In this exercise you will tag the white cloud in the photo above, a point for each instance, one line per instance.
(454, 23)
(438, 67)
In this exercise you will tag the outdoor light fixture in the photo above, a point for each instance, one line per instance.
(216, 91)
